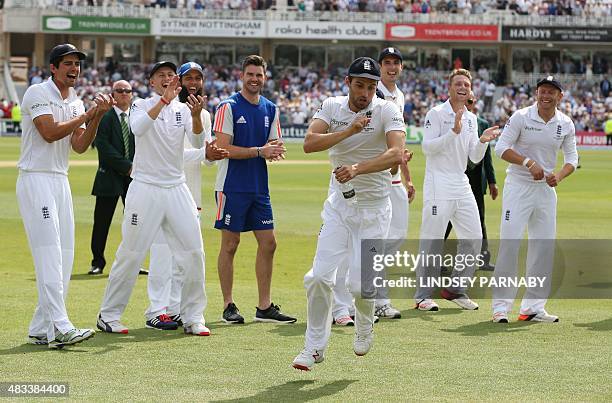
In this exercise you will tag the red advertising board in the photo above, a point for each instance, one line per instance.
(590, 139)
(442, 32)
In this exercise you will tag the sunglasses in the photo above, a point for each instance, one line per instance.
(470, 101)
(123, 91)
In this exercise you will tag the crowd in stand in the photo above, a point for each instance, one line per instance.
(596, 8)
(300, 92)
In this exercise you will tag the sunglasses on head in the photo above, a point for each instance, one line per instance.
(123, 91)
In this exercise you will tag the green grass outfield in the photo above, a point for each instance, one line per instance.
(448, 355)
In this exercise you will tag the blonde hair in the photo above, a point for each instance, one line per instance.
(460, 72)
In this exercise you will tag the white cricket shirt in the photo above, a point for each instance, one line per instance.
(397, 97)
(371, 189)
(528, 134)
(36, 154)
(446, 153)
(194, 155)
(158, 159)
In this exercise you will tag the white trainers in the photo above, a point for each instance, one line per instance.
(113, 326)
(363, 342)
(500, 317)
(38, 340)
(197, 329)
(427, 305)
(541, 316)
(462, 300)
(344, 321)
(307, 358)
(71, 337)
(387, 311)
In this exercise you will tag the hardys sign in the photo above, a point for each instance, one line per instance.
(209, 28)
(556, 34)
(325, 30)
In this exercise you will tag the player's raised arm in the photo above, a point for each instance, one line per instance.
(317, 138)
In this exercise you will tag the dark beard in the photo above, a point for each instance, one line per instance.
(182, 96)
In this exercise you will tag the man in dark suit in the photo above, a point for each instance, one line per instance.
(481, 176)
(115, 145)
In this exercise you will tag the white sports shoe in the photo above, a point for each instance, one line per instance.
(307, 358)
(344, 321)
(387, 311)
(462, 300)
(427, 305)
(73, 336)
(500, 317)
(38, 340)
(197, 329)
(113, 326)
(363, 343)
(541, 316)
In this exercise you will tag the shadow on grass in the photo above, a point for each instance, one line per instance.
(601, 326)
(294, 391)
(429, 316)
(487, 328)
(299, 329)
(85, 276)
(107, 341)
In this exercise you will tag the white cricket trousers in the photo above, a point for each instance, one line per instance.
(531, 206)
(45, 204)
(344, 227)
(398, 229)
(463, 214)
(147, 209)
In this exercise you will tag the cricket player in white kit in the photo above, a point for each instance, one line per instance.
(450, 138)
(390, 60)
(164, 282)
(159, 198)
(530, 142)
(54, 121)
(365, 137)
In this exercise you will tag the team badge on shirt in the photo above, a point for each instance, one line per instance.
(558, 135)
(266, 121)
(179, 118)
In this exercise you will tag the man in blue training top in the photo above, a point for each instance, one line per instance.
(247, 125)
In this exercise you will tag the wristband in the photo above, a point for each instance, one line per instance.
(258, 152)
(163, 101)
(525, 161)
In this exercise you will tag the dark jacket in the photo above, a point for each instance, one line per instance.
(113, 167)
(481, 174)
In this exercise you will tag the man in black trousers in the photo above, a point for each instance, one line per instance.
(115, 145)
(481, 176)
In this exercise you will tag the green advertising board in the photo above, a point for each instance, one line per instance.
(103, 25)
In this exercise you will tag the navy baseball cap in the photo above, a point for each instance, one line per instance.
(161, 64)
(550, 80)
(189, 66)
(65, 49)
(390, 52)
(365, 67)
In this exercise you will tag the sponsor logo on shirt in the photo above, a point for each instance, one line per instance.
(228, 219)
(241, 119)
(427, 124)
(266, 222)
(36, 106)
(398, 120)
(74, 111)
(335, 122)
(532, 129)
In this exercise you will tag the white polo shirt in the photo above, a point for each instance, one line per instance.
(397, 97)
(528, 134)
(158, 159)
(37, 155)
(446, 153)
(371, 189)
